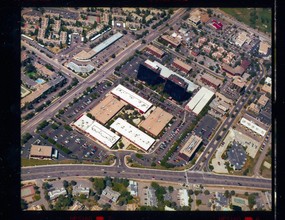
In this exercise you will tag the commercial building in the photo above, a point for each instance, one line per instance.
(217, 25)
(237, 84)
(237, 71)
(190, 148)
(83, 123)
(106, 109)
(80, 69)
(96, 130)
(252, 124)
(131, 98)
(155, 51)
(86, 56)
(242, 38)
(236, 156)
(156, 121)
(263, 48)
(166, 73)
(266, 88)
(194, 20)
(211, 81)
(133, 134)
(253, 108)
(174, 42)
(263, 100)
(41, 152)
(200, 100)
(149, 73)
(176, 87)
(102, 134)
(181, 65)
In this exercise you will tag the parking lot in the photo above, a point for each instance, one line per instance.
(206, 127)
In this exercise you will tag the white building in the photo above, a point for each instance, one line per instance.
(56, 193)
(263, 48)
(200, 100)
(131, 98)
(97, 131)
(250, 125)
(83, 123)
(268, 80)
(133, 134)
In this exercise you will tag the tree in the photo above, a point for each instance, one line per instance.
(170, 189)
(227, 194)
(233, 193)
(73, 183)
(190, 192)
(206, 192)
(198, 202)
(65, 184)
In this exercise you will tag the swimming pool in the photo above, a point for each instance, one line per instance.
(40, 81)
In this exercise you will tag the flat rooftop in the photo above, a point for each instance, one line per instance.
(107, 42)
(199, 101)
(155, 49)
(41, 151)
(102, 134)
(165, 72)
(83, 123)
(212, 79)
(156, 121)
(253, 125)
(133, 134)
(182, 64)
(131, 98)
(106, 109)
(171, 40)
(97, 131)
(178, 81)
(191, 145)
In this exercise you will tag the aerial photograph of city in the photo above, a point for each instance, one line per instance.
(146, 109)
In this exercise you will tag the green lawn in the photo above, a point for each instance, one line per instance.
(33, 162)
(263, 21)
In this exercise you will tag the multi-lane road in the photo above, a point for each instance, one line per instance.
(119, 169)
(103, 73)
(214, 143)
(122, 171)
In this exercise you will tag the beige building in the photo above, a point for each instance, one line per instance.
(156, 121)
(266, 88)
(107, 109)
(41, 152)
(191, 146)
(253, 108)
(263, 48)
(171, 40)
(263, 100)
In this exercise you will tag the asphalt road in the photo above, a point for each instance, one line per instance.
(103, 73)
(122, 171)
(226, 124)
